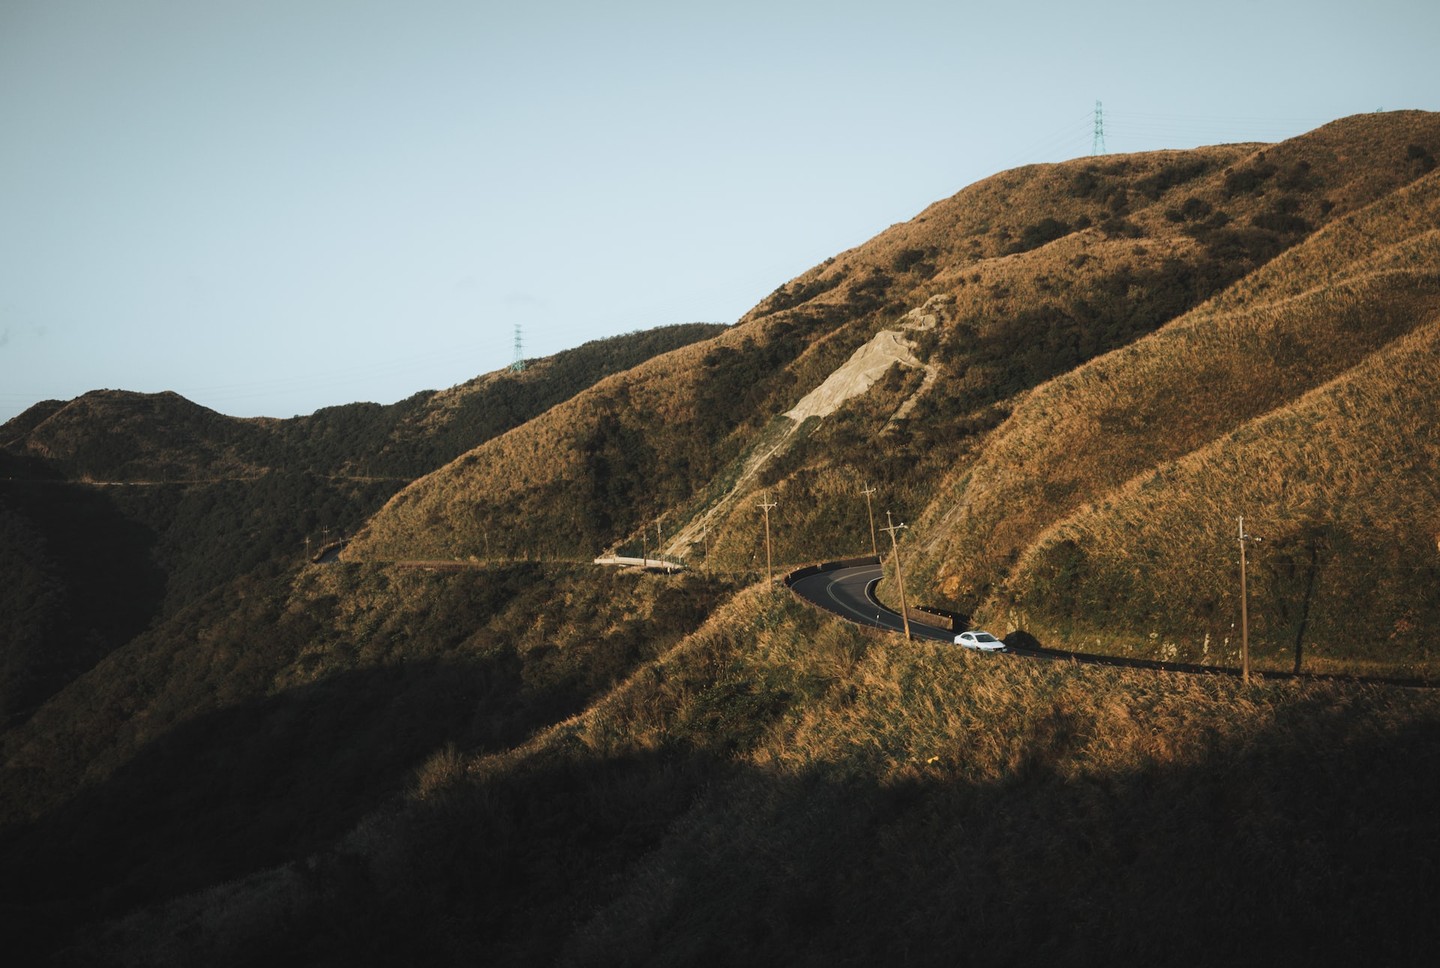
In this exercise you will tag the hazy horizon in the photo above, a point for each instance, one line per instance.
(271, 208)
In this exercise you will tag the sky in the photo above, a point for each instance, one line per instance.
(272, 207)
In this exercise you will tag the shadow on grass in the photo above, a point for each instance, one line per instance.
(254, 785)
(1319, 841)
(103, 584)
(1022, 643)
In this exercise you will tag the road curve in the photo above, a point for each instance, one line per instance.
(850, 593)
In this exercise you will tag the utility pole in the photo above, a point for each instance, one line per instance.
(1244, 607)
(644, 548)
(899, 576)
(867, 491)
(1097, 145)
(765, 506)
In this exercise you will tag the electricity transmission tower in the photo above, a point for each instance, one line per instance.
(519, 363)
(1097, 146)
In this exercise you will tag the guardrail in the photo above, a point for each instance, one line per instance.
(649, 564)
(933, 617)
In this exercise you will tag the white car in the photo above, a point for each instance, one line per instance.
(977, 639)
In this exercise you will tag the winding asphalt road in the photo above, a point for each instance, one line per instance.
(850, 593)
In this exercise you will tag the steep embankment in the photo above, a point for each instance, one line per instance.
(1327, 309)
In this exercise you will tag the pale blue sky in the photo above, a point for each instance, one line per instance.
(271, 207)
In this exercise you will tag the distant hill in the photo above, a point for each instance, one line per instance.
(209, 498)
(464, 742)
(125, 436)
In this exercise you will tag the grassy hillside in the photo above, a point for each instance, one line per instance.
(1344, 489)
(211, 498)
(264, 721)
(114, 435)
(780, 787)
(1093, 322)
(1095, 436)
(464, 743)
(117, 435)
(416, 436)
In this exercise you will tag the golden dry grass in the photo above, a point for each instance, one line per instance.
(1227, 360)
(1309, 317)
(781, 786)
(1354, 461)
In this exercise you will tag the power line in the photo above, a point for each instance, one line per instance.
(1244, 607)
